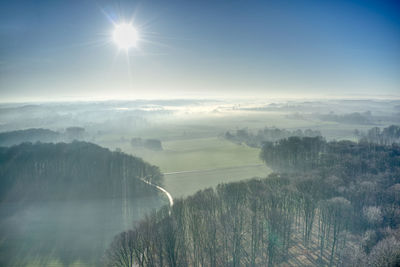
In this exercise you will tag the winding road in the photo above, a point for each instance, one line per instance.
(170, 199)
(213, 169)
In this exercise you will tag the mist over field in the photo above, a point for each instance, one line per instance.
(196, 144)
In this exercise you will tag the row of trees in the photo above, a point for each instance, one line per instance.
(339, 204)
(266, 135)
(294, 153)
(341, 158)
(349, 118)
(386, 136)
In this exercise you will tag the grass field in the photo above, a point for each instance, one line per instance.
(198, 154)
(183, 184)
(193, 164)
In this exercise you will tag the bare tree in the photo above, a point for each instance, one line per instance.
(122, 250)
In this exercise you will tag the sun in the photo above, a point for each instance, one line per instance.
(125, 36)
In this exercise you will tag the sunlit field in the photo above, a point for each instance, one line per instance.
(199, 154)
(183, 184)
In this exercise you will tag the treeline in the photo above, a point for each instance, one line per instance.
(266, 135)
(152, 144)
(77, 170)
(338, 205)
(348, 118)
(386, 136)
(34, 135)
(29, 135)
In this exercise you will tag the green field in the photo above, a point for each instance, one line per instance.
(198, 154)
(193, 164)
(182, 184)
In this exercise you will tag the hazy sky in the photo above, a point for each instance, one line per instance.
(63, 50)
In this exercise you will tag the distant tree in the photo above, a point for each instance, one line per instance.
(242, 133)
(229, 136)
(136, 142)
(386, 136)
(153, 144)
(266, 135)
(349, 118)
(75, 133)
(391, 134)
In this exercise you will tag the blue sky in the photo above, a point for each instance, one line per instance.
(63, 50)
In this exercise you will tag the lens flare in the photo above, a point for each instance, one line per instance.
(125, 36)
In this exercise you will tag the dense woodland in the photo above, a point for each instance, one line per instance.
(334, 203)
(266, 135)
(64, 202)
(76, 170)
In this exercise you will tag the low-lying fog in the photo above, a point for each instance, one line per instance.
(122, 117)
(187, 139)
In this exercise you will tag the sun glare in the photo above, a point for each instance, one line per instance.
(125, 36)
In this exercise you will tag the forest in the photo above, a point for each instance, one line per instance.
(333, 203)
(153, 144)
(76, 170)
(62, 203)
